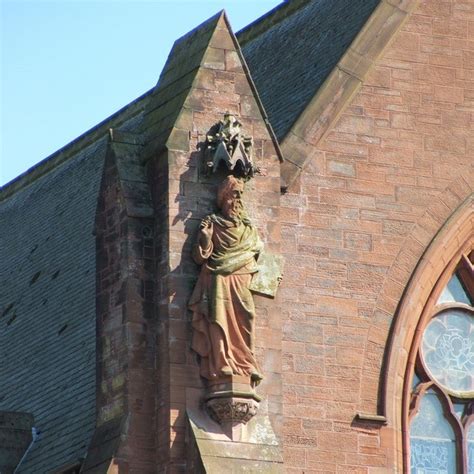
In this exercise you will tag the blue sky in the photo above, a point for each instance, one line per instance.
(67, 65)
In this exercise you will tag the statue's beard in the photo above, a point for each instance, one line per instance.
(232, 209)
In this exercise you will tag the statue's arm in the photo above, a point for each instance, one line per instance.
(203, 248)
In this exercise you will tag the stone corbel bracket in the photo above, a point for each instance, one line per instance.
(231, 401)
(232, 409)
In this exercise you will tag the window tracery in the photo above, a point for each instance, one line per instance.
(441, 411)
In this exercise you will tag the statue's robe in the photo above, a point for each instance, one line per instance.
(222, 304)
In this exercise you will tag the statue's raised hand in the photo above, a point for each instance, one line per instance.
(205, 233)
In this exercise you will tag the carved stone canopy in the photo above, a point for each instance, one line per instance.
(225, 144)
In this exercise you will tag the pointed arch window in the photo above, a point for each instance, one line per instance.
(440, 435)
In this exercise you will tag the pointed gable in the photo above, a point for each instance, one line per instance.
(194, 61)
(176, 79)
(205, 77)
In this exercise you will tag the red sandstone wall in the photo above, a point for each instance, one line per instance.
(355, 224)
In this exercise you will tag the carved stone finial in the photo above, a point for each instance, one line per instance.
(226, 144)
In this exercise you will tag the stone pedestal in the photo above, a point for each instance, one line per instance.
(232, 410)
(232, 402)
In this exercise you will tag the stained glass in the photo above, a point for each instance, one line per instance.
(459, 409)
(447, 355)
(454, 292)
(448, 351)
(432, 445)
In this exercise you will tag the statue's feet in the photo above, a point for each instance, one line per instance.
(226, 371)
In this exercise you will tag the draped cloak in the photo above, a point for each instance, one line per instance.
(222, 304)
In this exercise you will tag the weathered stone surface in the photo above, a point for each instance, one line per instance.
(232, 410)
(269, 276)
(370, 198)
(103, 446)
(227, 246)
(125, 294)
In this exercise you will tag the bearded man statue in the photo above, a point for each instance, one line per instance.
(222, 304)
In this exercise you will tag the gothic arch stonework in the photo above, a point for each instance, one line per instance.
(434, 245)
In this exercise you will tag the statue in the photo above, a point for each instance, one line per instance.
(222, 304)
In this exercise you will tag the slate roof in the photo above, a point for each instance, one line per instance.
(47, 338)
(290, 60)
(47, 305)
(47, 249)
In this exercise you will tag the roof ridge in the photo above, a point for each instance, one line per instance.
(269, 19)
(182, 63)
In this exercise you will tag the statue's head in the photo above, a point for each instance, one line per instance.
(229, 197)
(229, 118)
